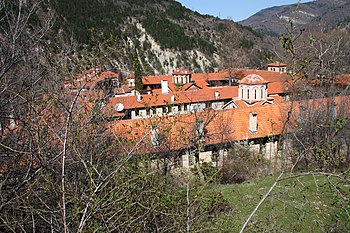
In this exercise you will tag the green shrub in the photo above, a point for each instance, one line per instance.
(242, 164)
(210, 172)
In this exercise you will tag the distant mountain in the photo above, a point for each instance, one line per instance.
(163, 34)
(318, 13)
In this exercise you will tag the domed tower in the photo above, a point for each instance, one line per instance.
(252, 88)
(182, 76)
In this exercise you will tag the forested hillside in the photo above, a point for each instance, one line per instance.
(319, 30)
(164, 34)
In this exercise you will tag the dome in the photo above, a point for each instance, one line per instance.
(252, 79)
(182, 71)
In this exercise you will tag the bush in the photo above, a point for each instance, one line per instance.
(234, 171)
(240, 165)
(211, 173)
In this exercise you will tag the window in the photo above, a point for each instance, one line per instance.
(127, 114)
(255, 95)
(207, 104)
(165, 109)
(248, 94)
(186, 108)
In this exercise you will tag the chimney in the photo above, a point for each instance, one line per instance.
(139, 97)
(164, 84)
(217, 95)
(172, 98)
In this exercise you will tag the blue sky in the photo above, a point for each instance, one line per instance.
(236, 9)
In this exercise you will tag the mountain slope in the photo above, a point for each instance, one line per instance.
(319, 13)
(162, 33)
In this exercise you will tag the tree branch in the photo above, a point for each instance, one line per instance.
(261, 201)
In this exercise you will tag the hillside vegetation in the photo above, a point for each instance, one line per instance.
(164, 34)
(313, 15)
(319, 30)
(299, 203)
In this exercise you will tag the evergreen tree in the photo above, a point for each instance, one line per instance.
(138, 73)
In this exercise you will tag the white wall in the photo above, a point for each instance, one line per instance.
(244, 90)
(197, 107)
(205, 156)
(271, 150)
(143, 113)
(217, 105)
(159, 111)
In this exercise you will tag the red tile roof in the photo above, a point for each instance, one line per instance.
(172, 87)
(186, 86)
(277, 64)
(279, 87)
(269, 76)
(217, 76)
(153, 80)
(131, 75)
(221, 126)
(202, 84)
(223, 75)
(207, 94)
(89, 78)
(343, 80)
(123, 90)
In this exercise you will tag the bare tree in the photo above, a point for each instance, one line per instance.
(328, 50)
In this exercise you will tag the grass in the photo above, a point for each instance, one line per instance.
(306, 203)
